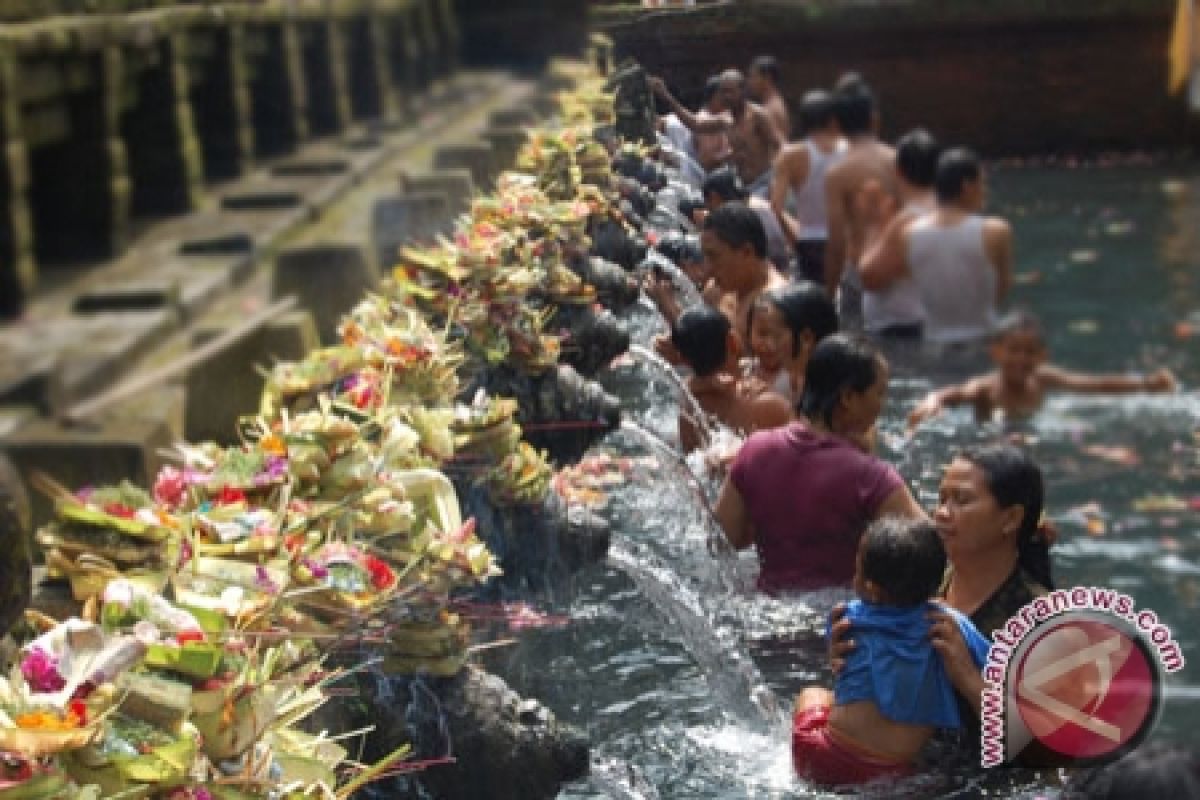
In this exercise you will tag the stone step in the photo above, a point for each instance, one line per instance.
(328, 279)
(456, 185)
(478, 157)
(400, 219)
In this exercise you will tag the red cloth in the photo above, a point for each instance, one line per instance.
(818, 757)
(810, 496)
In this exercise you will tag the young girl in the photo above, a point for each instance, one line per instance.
(785, 324)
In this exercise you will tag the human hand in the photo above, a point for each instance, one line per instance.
(930, 406)
(657, 86)
(840, 643)
(666, 348)
(947, 640)
(659, 288)
(1162, 380)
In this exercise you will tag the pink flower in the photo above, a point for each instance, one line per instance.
(40, 670)
(318, 570)
(170, 487)
(262, 579)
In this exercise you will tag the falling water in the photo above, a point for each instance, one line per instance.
(694, 412)
(689, 294)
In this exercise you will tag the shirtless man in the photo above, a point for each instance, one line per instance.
(705, 342)
(799, 175)
(866, 159)
(752, 135)
(712, 149)
(762, 84)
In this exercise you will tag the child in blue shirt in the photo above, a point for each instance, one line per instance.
(893, 691)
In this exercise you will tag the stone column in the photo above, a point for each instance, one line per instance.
(112, 68)
(18, 273)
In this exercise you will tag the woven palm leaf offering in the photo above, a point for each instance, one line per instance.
(26, 778)
(99, 533)
(486, 429)
(522, 477)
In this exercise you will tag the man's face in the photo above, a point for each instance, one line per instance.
(723, 262)
(756, 85)
(731, 94)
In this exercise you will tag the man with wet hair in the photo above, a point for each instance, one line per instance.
(734, 244)
(704, 339)
(724, 186)
(762, 83)
(895, 310)
(960, 260)
(866, 159)
(798, 184)
(753, 137)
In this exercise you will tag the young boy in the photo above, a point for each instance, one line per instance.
(703, 337)
(1022, 378)
(893, 690)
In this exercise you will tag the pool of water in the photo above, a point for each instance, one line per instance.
(682, 676)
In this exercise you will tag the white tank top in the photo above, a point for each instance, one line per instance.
(810, 198)
(898, 304)
(955, 278)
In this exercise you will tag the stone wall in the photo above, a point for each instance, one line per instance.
(1010, 77)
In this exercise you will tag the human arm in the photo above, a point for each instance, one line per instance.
(689, 435)
(732, 515)
(963, 394)
(840, 642)
(885, 260)
(1159, 381)
(791, 168)
(997, 242)
(694, 123)
(947, 640)
(837, 219)
(900, 503)
(769, 131)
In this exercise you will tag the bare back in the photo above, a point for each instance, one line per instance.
(861, 725)
(866, 160)
(755, 143)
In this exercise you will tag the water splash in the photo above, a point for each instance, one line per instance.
(693, 411)
(708, 638)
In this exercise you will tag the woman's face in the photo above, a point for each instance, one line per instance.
(862, 409)
(968, 518)
(771, 339)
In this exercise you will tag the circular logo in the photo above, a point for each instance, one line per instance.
(1088, 687)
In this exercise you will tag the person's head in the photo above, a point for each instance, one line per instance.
(732, 240)
(900, 562)
(722, 186)
(762, 77)
(960, 180)
(1018, 347)
(816, 112)
(704, 338)
(1157, 769)
(917, 158)
(845, 382)
(990, 507)
(684, 251)
(786, 323)
(854, 108)
(712, 87)
(731, 91)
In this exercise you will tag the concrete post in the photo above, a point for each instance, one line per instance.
(18, 273)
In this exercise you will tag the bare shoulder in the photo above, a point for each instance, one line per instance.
(793, 154)
(982, 387)
(997, 227)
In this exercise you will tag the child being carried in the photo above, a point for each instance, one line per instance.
(893, 691)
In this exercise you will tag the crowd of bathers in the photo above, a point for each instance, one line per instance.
(818, 243)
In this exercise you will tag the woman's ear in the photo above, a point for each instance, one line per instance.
(1011, 518)
(806, 343)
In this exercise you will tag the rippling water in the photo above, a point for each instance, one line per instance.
(660, 660)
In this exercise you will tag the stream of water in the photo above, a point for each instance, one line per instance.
(683, 677)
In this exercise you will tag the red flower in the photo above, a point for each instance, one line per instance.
(77, 709)
(119, 510)
(183, 637)
(229, 496)
(381, 574)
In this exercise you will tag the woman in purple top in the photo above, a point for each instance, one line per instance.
(804, 494)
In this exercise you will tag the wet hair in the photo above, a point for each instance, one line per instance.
(1157, 769)
(840, 363)
(1019, 321)
(854, 107)
(700, 335)
(680, 248)
(816, 110)
(955, 168)
(917, 157)
(710, 89)
(903, 557)
(768, 66)
(804, 306)
(725, 184)
(848, 80)
(1014, 479)
(737, 224)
